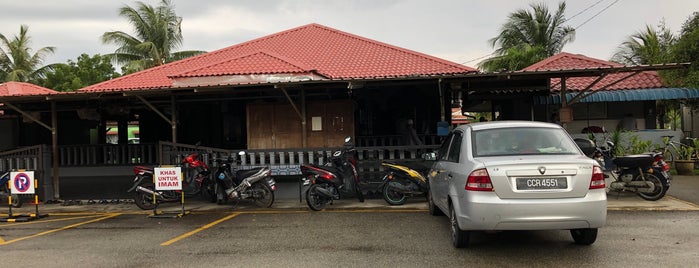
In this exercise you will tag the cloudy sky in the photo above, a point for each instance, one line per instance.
(456, 30)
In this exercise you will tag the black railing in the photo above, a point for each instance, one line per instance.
(34, 158)
(107, 154)
(282, 162)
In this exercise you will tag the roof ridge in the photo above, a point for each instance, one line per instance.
(18, 88)
(265, 52)
(562, 55)
(361, 38)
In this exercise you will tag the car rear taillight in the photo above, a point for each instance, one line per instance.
(479, 180)
(597, 181)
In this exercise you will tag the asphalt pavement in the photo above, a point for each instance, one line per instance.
(682, 196)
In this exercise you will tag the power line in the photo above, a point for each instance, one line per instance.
(575, 15)
(610, 5)
(583, 11)
(568, 19)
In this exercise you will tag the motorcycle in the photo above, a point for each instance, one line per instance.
(200, 184)
(5, 191)
(336, 176)
(256, 184)
(647, 175)
(401, 182)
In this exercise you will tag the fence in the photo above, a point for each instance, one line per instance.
(35, 158)
(284, 163)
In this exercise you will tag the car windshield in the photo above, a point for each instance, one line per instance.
(522, 141)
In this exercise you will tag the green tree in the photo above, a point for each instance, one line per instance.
(81, 73)
(530, 36)
(685, 49)
(515, 58)
(646, 47)
(158, 35)
(17, 63)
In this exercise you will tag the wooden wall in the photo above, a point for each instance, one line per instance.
(278, 126)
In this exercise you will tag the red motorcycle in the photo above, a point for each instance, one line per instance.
(198, 185)
(337, 176)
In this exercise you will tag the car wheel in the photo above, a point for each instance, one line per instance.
(459, 238)
(433, 209)
(584, 236)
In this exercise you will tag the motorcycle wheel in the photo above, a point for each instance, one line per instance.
(314, 200)
(16, 201)
(208, 191)
(262, 195)
(659, 190)
(358, 191)
(392, 196)
(144, 200)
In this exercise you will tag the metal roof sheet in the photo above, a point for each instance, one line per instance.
(626, 95)
(23, 89)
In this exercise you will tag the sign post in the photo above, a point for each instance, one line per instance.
(23, 182)
(168, 179)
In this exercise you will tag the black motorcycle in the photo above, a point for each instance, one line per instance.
(232, 185)
(327, 182)
(401, 182)
(198, 185)
(647, 175)
(5, 191)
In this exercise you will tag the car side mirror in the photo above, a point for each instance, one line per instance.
(431, 156)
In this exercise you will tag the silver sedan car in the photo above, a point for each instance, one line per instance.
(516, 175)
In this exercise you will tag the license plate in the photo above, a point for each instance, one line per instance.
(541, 183)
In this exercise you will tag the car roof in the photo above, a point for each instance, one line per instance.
(506, 124)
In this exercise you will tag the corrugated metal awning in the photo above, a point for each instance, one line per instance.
(626, 95)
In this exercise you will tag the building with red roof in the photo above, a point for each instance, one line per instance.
(311, 52)
(23, 89)
(289, 93)
(600, 102)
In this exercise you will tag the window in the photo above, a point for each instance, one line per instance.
(455, 148)
(522, 141)
(442, 153)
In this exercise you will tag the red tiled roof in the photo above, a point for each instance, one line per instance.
(23, 89)
(566, 61)
(261, 62)
(328, 52)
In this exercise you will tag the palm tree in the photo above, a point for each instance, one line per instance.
(158, 34)
(16, 60)
(646, 47)
(536, 35)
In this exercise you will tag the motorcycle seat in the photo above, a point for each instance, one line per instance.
(248, 172)
(636, 160)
